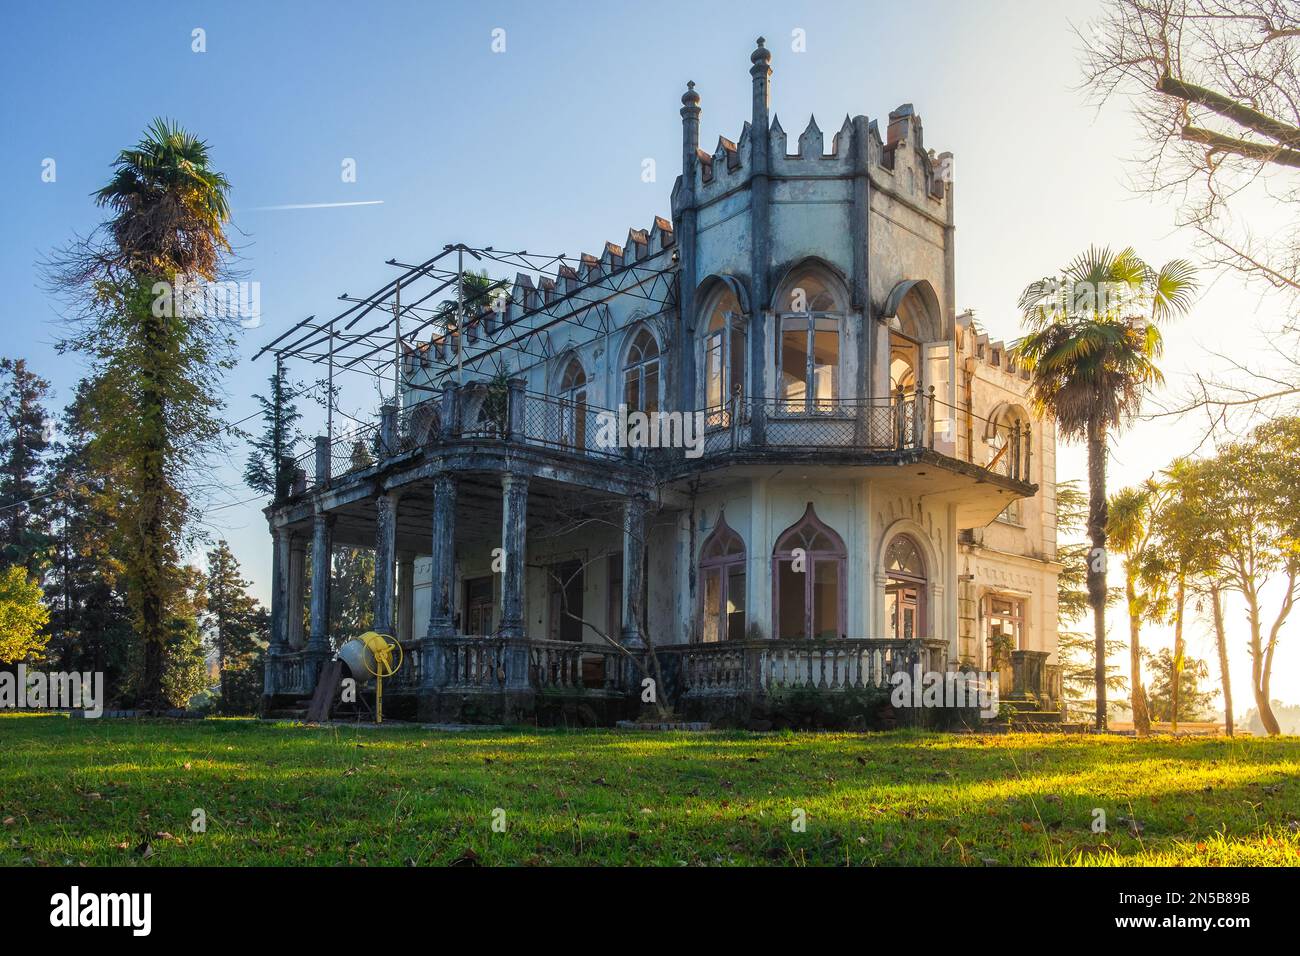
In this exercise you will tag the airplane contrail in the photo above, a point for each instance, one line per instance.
(319, 205)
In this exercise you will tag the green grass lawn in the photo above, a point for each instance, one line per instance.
(123, 793)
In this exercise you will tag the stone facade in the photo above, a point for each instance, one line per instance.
(869, 480)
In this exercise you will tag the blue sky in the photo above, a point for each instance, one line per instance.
(541, 147)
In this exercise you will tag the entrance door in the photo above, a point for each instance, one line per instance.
(478, 606)
(902, 609)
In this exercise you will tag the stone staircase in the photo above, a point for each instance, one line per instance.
(1026, 717)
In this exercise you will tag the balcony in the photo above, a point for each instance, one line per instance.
(931, 441)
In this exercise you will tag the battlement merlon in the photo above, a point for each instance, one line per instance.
(899, 163)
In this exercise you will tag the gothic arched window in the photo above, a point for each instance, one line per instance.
(641, 374)
(906, 332)
(808, 580)
(724, 359)
(573, 406)
(905, 583)
(811, 318)
(722, 566)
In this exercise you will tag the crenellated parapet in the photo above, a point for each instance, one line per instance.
(901, 161)
(526, 295)
(980, 348)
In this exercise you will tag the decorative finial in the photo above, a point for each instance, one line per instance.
(761, 55)
(690, 98)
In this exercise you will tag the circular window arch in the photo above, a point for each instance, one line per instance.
(808, 580)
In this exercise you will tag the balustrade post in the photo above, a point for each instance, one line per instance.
(927, 423)
(918, 417)
(450, 412)
(388, 428)
(515, 407)
(900, 413)
(322, 461)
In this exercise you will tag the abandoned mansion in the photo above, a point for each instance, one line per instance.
(751, 453)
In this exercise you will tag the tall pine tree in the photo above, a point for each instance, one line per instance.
(269, 469)
(24, 439)
(236, 626)
(84, 585)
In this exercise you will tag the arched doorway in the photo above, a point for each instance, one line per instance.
(905, 587)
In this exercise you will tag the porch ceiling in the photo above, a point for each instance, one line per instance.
(478, 512)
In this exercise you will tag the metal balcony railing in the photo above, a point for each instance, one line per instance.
(484, 411)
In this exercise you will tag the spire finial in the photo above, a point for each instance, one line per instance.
(690, 99)
(761, 56)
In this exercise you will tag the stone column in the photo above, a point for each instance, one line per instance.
(385, 558)
(321, 559)
(514, 507)
(405, 596)
(279, 636)
(279, 639)
(633, 571)
(442, 596)
(297, 592)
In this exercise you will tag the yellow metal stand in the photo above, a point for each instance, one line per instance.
(381, 648)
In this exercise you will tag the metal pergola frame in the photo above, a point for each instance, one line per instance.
(379, 350)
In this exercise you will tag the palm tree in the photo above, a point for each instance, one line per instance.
(1091, 348)
(169, 205)
(1131, 520)
(168, 225)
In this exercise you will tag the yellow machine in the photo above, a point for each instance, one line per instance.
(380, 656)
